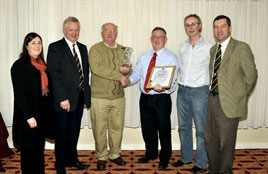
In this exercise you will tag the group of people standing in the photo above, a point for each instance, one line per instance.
(214, 85)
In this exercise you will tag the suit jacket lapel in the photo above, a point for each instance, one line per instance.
(67, 49)
(229, 50)
(69, 52)
(83, 56)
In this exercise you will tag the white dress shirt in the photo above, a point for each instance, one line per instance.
(70, 44)
(194, 62)
(164, 58)
(223, 47)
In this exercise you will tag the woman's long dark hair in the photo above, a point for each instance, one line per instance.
(25, 54)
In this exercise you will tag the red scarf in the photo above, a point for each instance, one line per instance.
(40, 65)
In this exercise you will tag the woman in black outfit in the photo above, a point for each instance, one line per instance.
(30, 85)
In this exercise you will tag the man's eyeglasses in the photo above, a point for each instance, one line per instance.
(191, 25)
(109, 31)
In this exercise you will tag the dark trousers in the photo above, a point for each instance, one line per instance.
(32, 158)
(67, 134)
(155, 113)
(220, 138)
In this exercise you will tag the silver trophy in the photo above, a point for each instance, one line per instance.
(126, 53)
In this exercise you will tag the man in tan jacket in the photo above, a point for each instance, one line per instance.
(108, 97)
(233, 76)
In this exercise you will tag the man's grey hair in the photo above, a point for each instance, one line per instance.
(70, 19)
(102, 27)
(195, 16)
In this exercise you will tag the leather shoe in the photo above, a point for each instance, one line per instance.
(162, 165)
(179, 163)
(101, 165)
(61, 171)
(78, 165)
(2, 169)
(145, 159)
(197, 170)
(119, 161)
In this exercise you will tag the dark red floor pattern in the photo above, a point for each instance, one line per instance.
(246, 162)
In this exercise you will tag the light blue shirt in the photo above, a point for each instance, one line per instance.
(194, 61)
(164, 58)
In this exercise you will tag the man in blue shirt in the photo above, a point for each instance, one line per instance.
(193, 93)
(155, 104)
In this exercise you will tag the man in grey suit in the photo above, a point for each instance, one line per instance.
(233, 76)
(67, 62)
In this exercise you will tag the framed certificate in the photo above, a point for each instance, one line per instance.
(162, 75)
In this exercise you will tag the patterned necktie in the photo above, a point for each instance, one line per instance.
(150, 67)
(214, 86)
(78, 66)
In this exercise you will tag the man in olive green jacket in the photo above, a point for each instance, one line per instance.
(233, 76)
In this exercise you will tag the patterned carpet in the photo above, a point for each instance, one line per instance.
(246, 162)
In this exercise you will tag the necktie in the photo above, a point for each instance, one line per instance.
(214, 86)
(78, 66)
(150, 67)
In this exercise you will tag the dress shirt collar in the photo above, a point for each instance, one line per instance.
(224, 45)
(200, 41)
(159, 52)
(70, 44)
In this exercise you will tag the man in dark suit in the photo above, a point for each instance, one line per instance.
(68, 65)
(233, 76)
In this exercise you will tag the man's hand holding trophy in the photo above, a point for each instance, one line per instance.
(126, 65)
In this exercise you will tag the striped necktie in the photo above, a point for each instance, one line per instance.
(79, 67)
(214, 85)
(150, 67)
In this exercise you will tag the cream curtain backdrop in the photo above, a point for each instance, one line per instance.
(135, 20)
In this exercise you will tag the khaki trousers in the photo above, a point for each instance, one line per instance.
(107, 116)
